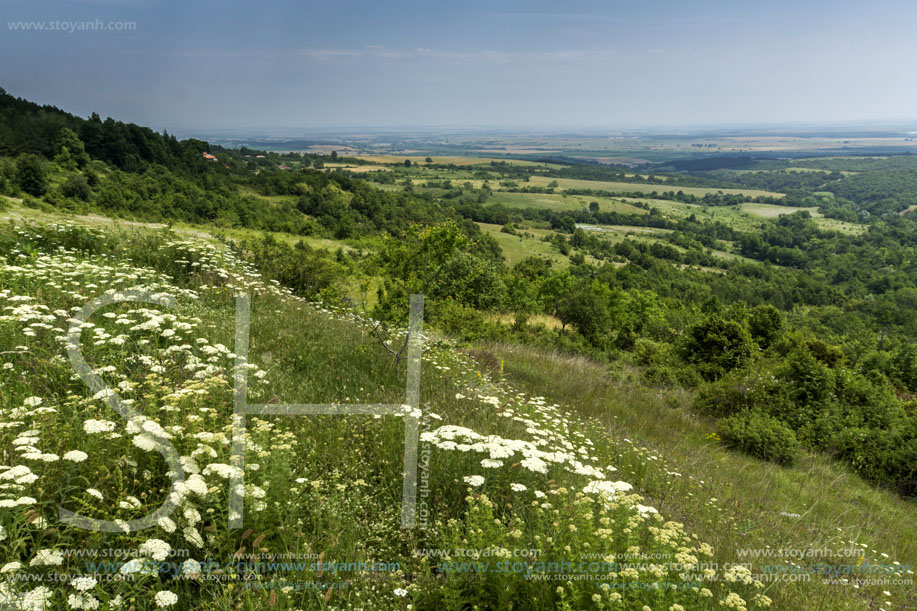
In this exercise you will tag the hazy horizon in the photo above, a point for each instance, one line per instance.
(788, 128)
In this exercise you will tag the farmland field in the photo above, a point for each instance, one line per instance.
(445, 160)
(560, 202)
(642, 188)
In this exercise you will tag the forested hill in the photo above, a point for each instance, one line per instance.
(131, 170)
(29, 128)
(26, 127)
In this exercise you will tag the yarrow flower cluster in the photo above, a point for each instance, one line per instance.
(165, 598)
(474, 480)
(157, 549)
(76, 456)
(94, 427)
(47, 557)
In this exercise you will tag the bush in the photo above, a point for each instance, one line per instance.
(760, 435)
(672, 376)
(647, 352)
(831, 356)
(662, 366)
(809, 384)
(76, 187)
(868, 451)
(30, 175)
(459, 320)
(732, 395)
(765, 324)
(7, 177)
(867, 400)
(37, 204)
(716, 346)
(307, 271)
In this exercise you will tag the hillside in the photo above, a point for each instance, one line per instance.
(547, 435)
(684, 385)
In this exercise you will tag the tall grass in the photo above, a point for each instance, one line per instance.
(528, 459)
(730, 500)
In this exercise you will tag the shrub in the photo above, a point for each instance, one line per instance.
(647, 352)
(30, 175)
(716, 346)
(731, 395)
(765, 323)
(671, 376)
(832, 356)
(809, 384)
(819, 432)
(867, 400)
(459, 320)
(586, 308)
(888, 457)
(760, 435)
(305, 270)
(76, 187)
(662, 366)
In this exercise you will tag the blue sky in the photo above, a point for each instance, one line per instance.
(207, 64)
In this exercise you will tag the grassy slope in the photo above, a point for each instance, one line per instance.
(331, 485)
(732, 501)
(835, 506)
(517, 247)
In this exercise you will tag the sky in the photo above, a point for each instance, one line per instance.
(246, 65)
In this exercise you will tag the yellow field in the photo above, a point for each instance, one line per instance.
(456, 160)
(536, 319)
(358, 168)
(770, 211)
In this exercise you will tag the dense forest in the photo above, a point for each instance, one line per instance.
(792, 333)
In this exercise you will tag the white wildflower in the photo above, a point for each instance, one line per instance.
(76, 456)
(47, 557)
(165, 598)
(98, 426)
(83, 584)
(157, 549)
(473, 480)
